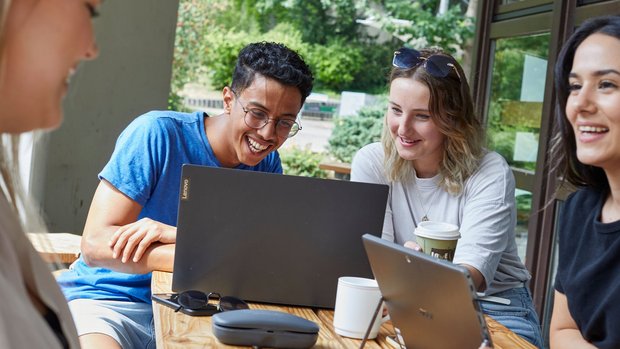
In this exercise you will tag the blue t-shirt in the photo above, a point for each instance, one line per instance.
(146, 166)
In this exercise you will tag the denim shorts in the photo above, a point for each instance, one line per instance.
(520, 316)
(130, 324)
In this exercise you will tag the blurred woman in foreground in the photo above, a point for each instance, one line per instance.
(41, 44)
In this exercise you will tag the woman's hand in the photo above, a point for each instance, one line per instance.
(485, 345)
(135, 238)
(413, 245)
(476, 275)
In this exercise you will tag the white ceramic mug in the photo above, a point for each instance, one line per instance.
(356, 302)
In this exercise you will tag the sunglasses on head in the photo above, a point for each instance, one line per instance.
(438, 66)
(198, 300)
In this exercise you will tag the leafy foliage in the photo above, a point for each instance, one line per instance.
(418, 24)
(335, 64)
(506, 87)
(189, 47)
(341, 52)
(353, 132)
(318, 21)
(301, 162)
(224, 45)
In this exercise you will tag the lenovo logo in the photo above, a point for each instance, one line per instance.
(185, 191)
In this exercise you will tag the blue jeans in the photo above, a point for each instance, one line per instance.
(520, 316)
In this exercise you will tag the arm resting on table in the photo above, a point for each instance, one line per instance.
(110, 211)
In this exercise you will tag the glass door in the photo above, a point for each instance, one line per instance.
(514, 113)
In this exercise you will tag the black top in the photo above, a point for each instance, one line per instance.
(52, 320)
(589, 268)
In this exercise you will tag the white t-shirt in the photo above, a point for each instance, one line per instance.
(21, 325)
(485, 213)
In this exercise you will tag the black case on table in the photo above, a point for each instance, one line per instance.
(264, 328)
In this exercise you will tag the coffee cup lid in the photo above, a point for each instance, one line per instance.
(437, 230)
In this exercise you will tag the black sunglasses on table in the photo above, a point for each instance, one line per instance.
(438, 66)
(198, 300)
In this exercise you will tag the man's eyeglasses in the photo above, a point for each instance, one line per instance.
(257, 119)
(437, 65)
(200, 301)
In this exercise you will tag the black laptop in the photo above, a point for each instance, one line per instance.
(431, 301)
(273, 238)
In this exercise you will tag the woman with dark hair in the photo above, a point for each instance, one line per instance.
(586, 149)
(433, 158)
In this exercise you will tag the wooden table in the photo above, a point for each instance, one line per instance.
(177, 330)
(56, 247)
(341, 170)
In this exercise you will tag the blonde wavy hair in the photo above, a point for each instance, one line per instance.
(452, 110)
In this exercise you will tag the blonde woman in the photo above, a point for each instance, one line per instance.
(432, 157)
(41, 44)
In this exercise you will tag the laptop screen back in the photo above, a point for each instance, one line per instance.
(273, 238)
(431, 301)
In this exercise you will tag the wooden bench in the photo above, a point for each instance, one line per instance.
(56, 247)
(341, 170)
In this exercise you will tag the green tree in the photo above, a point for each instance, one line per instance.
(340, 50)
(421, 23)
(223, 46)
(189, 47)
(318, 21)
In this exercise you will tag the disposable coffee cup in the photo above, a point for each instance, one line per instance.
(437, 239)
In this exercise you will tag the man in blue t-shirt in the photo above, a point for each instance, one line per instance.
(131, 226)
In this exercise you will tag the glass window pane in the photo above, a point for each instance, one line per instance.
(515, 110)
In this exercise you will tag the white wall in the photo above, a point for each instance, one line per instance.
(130, 77)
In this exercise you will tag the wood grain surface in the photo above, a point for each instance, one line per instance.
(177, 330)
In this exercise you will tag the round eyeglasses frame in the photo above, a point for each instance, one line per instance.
(258, 119)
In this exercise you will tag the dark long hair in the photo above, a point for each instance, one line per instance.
(564, 148)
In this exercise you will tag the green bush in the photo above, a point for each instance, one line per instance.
(223, 47)
(353, 132)
(335, 64)
(373, 75)
(301, 162)
(189, 48)
(221, 54)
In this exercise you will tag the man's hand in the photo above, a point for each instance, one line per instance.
(135, 238)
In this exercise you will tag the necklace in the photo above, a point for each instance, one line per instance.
(426, 210)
